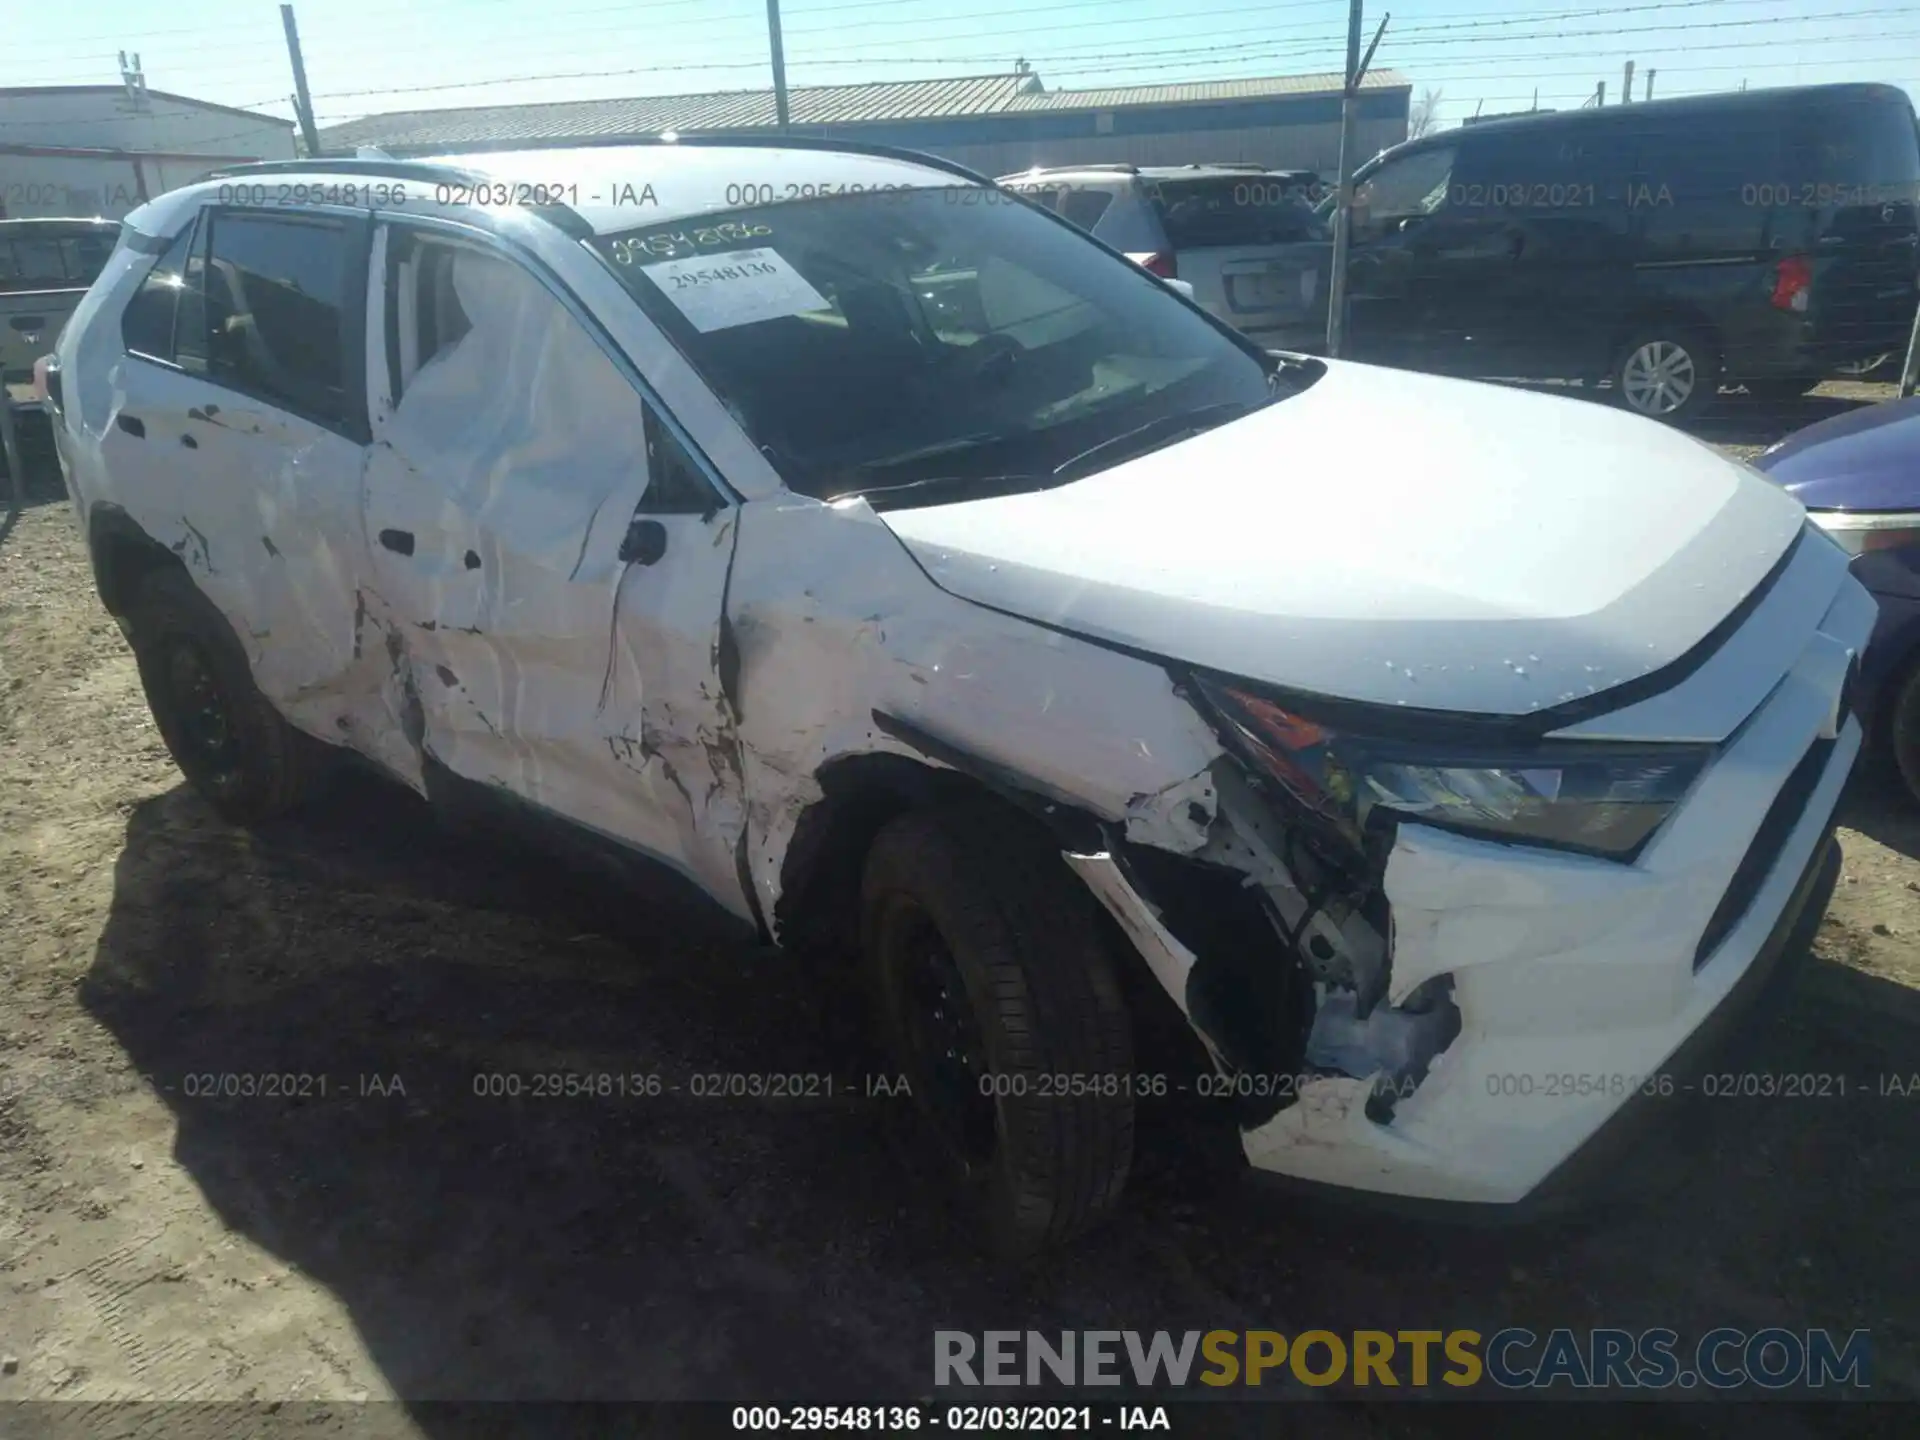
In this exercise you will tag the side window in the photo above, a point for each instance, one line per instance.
(489, 367)
(675, 485)
(276, 290)
(146, 326)
(1403, 189)
(40, 264)
(1046, 196)
(1084, 207)
(86, 257)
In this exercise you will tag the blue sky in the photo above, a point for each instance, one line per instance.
(365, 56)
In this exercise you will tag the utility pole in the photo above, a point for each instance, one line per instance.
(1343, 205)
(1910, 372)
(1600, 96)
(305, 107)
(1626, 85)
(779, 64)
(1650, 75)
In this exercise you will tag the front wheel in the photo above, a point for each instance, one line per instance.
(1666, 373)
(1903, 730)
(996, 999)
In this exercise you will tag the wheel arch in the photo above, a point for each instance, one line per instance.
(122, 554)
(1651, 314)
(818, 909)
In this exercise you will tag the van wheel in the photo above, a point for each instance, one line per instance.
(1666, 373)
(988, 975)
(227, 739)
(1903, 731)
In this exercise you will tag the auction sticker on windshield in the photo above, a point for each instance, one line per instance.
(717, 292)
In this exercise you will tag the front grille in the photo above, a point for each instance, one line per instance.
(1758, 862)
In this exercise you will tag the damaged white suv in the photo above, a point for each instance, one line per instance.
(925, 582)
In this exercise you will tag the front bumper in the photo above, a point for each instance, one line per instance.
(1581, 983)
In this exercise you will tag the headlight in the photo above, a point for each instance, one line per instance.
(1859, 531)
(1597, 799)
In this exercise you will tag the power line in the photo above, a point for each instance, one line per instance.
(1241, 51)
(270, 44)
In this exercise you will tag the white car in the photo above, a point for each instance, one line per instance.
(1446, 756)
(1241, 241)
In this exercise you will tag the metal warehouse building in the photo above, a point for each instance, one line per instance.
(994, 123)
(103, 149)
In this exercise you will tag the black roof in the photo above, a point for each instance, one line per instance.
(1677, 108)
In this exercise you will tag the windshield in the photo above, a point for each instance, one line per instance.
(954, 335)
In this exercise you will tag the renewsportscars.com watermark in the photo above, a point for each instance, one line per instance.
(1509, 1359)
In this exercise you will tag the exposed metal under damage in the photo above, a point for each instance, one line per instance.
(1278, 955)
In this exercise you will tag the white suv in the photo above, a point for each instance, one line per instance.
(1243, 239)
(927, 584)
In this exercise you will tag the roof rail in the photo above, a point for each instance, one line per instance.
(725, 139)
(345, 165)
(565, 217)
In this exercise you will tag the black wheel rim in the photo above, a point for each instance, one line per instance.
(200, 720)
(943, 1048)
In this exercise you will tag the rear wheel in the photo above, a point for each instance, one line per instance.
(227, 739)
(1666, 372)
(996, 999)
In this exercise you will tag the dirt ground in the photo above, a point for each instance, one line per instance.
(386, 1231)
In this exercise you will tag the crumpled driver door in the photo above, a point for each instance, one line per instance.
(549, 580)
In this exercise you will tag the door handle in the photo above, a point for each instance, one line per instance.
(398, 541)
(646, 542)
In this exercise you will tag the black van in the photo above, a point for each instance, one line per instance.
(1765, 238)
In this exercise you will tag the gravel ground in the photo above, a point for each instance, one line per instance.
(399, 1235)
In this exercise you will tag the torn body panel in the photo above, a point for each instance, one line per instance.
(1575, 979)
(865, 632)
(497, 506)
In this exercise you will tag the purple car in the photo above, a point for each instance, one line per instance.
(1859, 476)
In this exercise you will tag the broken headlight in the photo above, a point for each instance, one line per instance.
(1597, 799)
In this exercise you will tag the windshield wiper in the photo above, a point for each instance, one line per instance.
(1152, 436)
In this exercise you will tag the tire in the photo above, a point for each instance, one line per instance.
(1780, 389)
(965, 904)
(1682, 355)
(1903, 731)
(225, 736)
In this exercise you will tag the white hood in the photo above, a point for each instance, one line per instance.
(1388, 537)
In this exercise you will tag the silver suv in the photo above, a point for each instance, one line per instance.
(943, 597)
(1244, 238)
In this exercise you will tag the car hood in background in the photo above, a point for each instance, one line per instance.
(1866, 459)
(1391, 538)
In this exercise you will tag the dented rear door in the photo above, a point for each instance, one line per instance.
(243, 411)
(549, 567)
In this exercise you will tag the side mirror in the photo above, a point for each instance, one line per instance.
(1184, 287)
